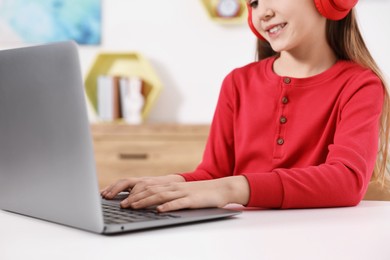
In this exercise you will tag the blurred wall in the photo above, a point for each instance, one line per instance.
(192, 54)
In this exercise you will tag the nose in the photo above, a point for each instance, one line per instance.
(263, 11)
(267, 14)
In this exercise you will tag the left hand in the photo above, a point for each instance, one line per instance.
(181, 195)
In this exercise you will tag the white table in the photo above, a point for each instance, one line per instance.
(361, 232)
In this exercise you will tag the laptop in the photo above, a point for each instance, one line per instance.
(47, 167)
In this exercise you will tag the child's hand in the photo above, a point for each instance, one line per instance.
(134, 185)
(180, 195)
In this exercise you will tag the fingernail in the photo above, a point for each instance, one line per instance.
(160, 208)
(125, 202)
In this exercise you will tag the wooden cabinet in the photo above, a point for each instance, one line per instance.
(123, 150)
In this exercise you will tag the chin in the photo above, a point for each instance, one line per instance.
(279, 46)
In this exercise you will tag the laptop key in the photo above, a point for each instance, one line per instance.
(113, 214)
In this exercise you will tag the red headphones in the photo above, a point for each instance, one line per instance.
(331, 9)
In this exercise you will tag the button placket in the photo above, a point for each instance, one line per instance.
(282, 118)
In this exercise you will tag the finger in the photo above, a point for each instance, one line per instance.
(135, 197)
(142, 190)
(145, 184)
(105, 189)
(146, 199)
(119, 186)
(180, 203)
(140, 187)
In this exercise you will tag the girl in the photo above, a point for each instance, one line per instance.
(299, 128)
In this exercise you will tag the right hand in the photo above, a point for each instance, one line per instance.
(137, 184)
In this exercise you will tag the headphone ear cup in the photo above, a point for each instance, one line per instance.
(335, 9)
(251, 26)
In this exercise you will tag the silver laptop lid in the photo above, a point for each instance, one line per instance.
(47, 168)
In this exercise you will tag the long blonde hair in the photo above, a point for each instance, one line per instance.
(345, 39)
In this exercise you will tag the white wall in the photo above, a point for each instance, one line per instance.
(192, 54)
(374, 20)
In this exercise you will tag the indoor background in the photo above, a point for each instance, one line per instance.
(191, 54)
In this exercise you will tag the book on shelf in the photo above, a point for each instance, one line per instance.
(108, 98)
(120, 97)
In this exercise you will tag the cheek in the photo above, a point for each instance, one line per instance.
(255, 21)
(256, 17)
(314, 28)
(310, 25)
(290, 40)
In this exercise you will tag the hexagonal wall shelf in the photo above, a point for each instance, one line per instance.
(210, 8)
(125, 64)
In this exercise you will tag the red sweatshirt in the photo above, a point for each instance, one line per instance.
(300, 142)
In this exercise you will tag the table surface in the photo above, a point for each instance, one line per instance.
(361, 232)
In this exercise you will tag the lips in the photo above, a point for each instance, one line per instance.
(273, 29)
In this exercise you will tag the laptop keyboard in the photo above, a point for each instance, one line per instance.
(114, 214)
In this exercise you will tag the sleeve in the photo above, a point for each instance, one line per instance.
(343, 179)
(218, 157)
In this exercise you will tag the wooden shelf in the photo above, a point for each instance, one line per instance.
(125, 64)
